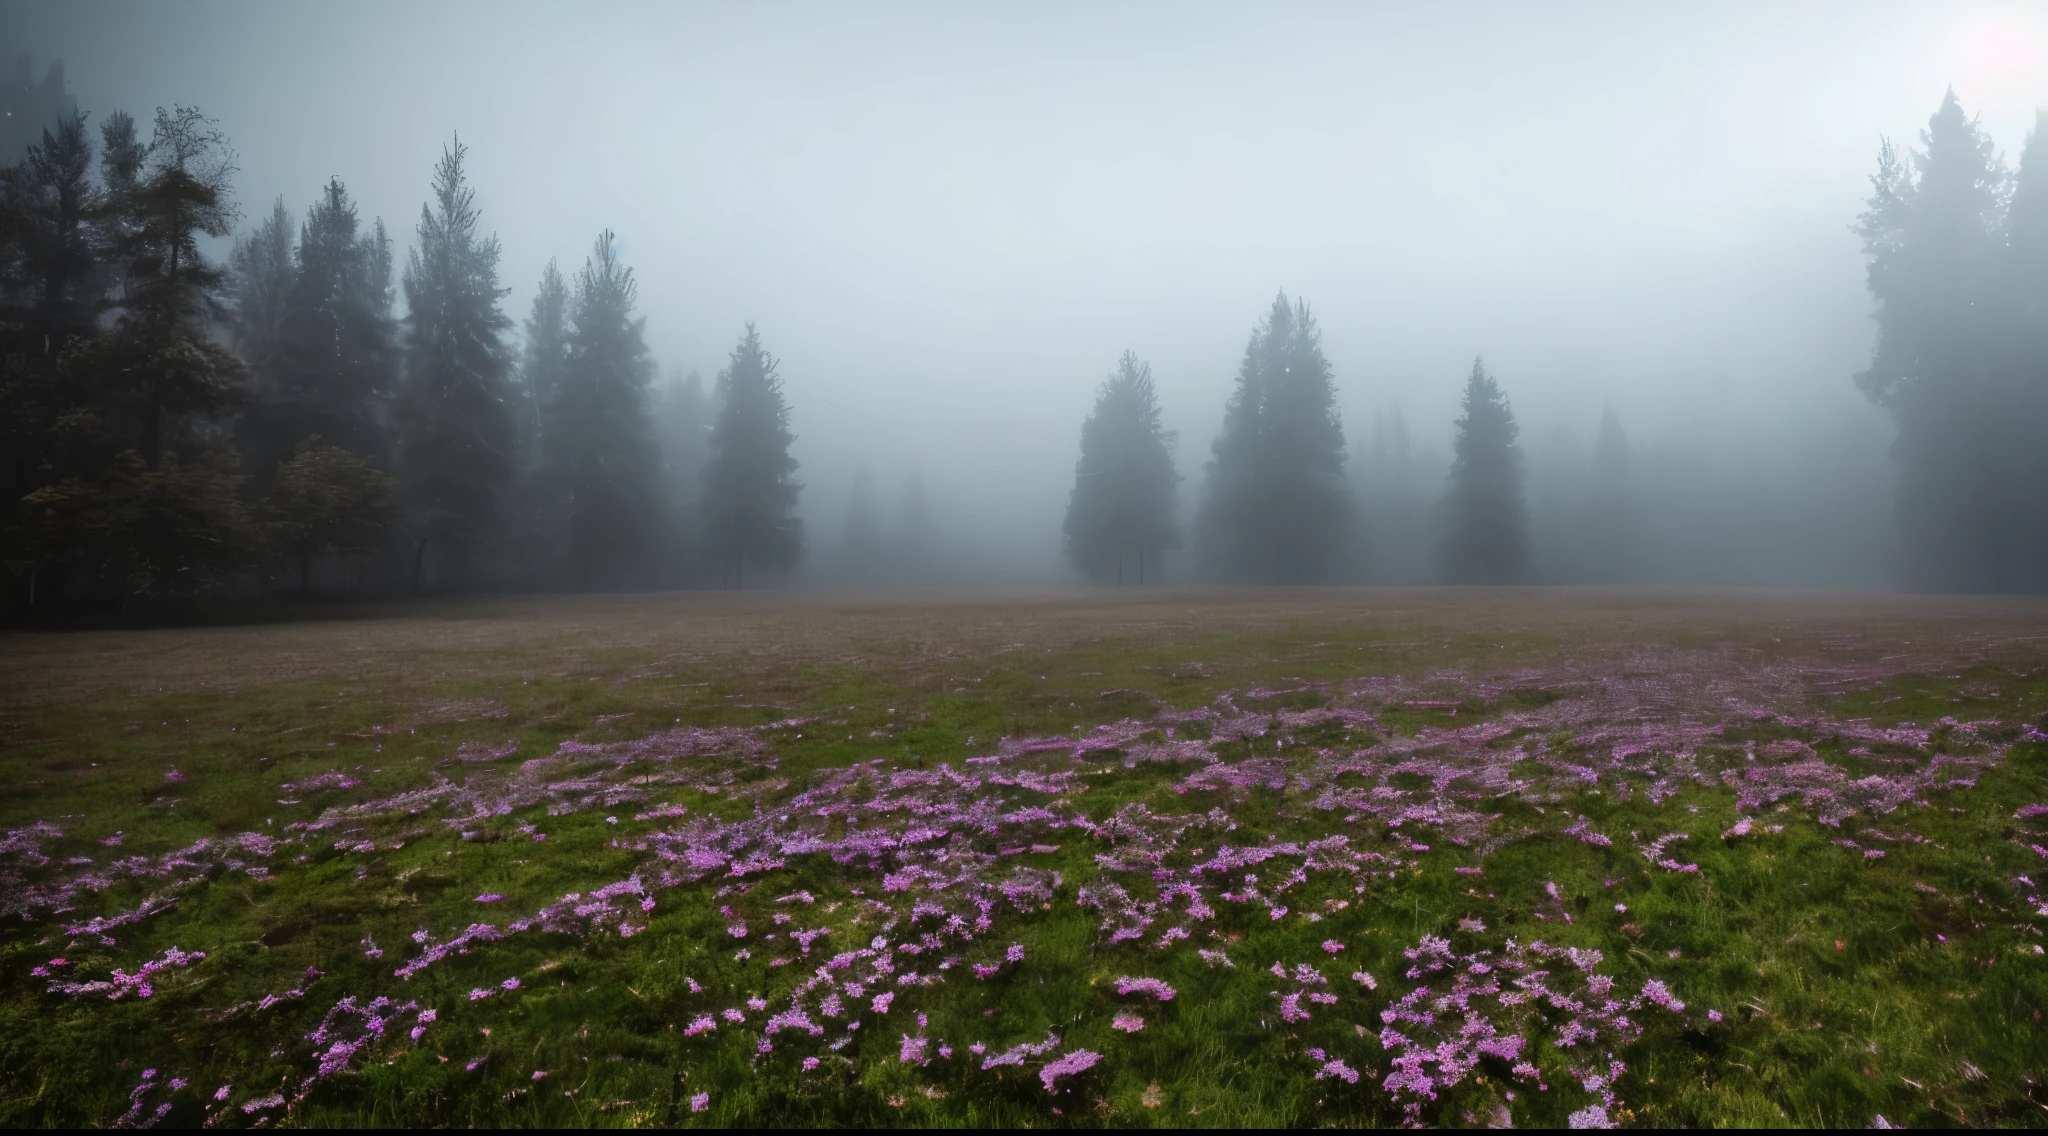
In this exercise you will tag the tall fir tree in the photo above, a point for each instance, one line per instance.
(598, 439)
(316, 332)
(1486, 527)
(159, 508)
(1120, 512)
(455, 429)
(339, 358)
(1931, 234)
(538, 510)
(262, 270)
(750, 485)
(1392, 514)
(682, 432)
(1611, 530)
(2024, 361)
(542, 361)
(162, 356)
(51, 287)
(1277, 508)
(915, 545)
(29, 107)
(862, 562)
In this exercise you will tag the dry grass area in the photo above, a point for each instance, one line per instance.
(493, 638)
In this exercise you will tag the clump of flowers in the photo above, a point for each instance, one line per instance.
(1492, 1003)
(1078, 1061)
(1127, 985)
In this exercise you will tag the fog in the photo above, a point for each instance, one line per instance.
(948, 221)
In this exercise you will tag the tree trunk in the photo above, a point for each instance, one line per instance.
(306, 572)
(419, 559)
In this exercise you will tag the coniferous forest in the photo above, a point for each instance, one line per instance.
(213, 403)
(936, 565)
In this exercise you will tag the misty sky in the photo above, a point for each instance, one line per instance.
(949, 219)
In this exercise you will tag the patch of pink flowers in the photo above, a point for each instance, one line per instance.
(1126, 985)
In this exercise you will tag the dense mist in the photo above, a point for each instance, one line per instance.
(384, 300)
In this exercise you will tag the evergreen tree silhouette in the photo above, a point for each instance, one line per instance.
(1486, 528)
(750, 485)
(596, 422)
(456, 439)
(1277, 509)
(1120, 512)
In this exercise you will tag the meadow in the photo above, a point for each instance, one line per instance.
(1067, 858)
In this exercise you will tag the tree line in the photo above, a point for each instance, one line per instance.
(1277, 505)
(1958, 264)
(178, 426)
(316, 413)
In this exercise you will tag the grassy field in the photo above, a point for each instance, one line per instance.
(1164, 857)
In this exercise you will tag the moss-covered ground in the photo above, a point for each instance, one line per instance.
(1844, 985)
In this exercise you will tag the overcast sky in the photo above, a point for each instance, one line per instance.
(948, 219)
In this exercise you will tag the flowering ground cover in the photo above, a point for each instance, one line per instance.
(1315, 858)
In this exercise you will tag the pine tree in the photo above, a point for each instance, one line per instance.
(130, 482)
(1397, 549)
(546, 353)
(1611, 528)
(122, 156)
(1120, 513)
(1930, 233)
(862, 546)
(1486, 524)
(597, 423)
(2024, 360)
(163, 510)
(455, 430)
(1277, 510)
(312, 320)
(750, 486)
(537, 512)
(338, 353)
(51, 286)
(29, 108)
(2026, 241)
(682, 430)
(262, 271)
(161, 361)
(914, 545)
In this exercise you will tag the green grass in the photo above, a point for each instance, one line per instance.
(1906, 986)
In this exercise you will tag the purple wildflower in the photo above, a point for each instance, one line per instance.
(1078, 1061)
